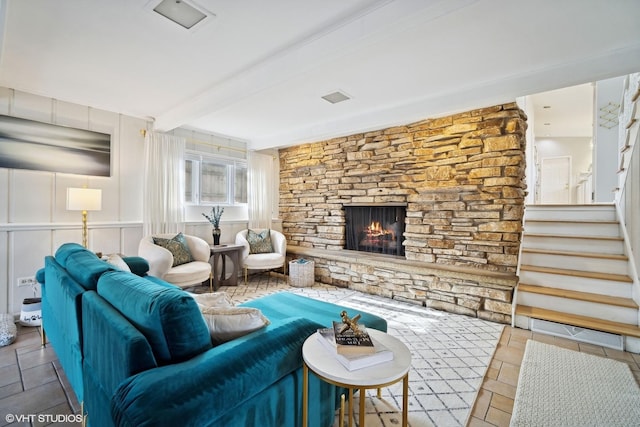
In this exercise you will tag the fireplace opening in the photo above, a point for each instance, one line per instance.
(377, 228)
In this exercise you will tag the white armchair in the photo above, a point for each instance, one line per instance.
(262, 261)
(184, 275)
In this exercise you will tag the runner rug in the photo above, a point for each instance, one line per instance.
(561, 387)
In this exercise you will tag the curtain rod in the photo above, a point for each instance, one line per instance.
(143, 132)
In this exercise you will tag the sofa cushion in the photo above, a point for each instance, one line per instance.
(259, 243)
(178, 247)
(191, 272)
(86, 268)
(167, 316)
(67, 249)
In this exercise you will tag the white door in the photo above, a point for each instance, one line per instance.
(555, 180)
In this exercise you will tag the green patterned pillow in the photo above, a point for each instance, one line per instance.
(259, 243)
(178, 248)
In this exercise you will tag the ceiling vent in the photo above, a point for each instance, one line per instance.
(180, 12)
(336, 97)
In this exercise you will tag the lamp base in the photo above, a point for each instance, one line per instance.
(84, 229)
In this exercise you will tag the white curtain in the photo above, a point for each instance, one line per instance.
(163, 184)
(260, 190)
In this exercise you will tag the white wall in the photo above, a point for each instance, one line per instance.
(33, 218)
(606, 152)
(578, 148)
(526, 105)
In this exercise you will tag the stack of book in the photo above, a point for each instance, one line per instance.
(353, 351)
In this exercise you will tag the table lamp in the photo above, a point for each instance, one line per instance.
(84, 199)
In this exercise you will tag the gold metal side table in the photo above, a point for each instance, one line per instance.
(317, 359)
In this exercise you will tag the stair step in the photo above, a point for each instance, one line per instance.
(605, 244)
(572, 221)
(563, 212)
(577, 273)
(617, 257)
(577, 320)
(585, 237)
(596, 228)
(577, 295)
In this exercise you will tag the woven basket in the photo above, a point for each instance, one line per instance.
(301, 273)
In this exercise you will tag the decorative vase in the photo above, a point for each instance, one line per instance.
(216, 236)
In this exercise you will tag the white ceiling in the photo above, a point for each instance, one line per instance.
(258, 69)
(566, 112)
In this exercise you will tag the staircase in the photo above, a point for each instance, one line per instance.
(574, 279)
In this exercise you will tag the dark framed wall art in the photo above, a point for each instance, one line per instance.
(28, 144)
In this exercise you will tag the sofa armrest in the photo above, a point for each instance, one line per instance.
(241, 239)
(40, 275)
(279, 242)
(160, 259)
(199, 248)
(214, 382)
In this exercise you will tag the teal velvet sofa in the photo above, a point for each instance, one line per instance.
(66, 276)
(147, 357)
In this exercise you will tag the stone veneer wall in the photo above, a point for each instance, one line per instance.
(462, 178)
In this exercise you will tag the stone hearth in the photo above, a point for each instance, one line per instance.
(462, 179)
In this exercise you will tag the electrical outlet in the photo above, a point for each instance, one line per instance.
(27, 281)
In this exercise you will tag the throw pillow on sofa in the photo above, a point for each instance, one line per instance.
(215, 299)
(224, 320)
(117, 261)
(228, 323)
(178, 247)
(259, 243)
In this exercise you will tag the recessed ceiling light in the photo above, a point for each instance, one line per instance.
(180, 12)
(546, 107)
(335, 97)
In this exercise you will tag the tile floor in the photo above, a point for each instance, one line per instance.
(447, 367)
(494, 402)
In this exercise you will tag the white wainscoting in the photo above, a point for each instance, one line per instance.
(24, 247)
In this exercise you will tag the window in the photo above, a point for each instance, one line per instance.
(213, 180)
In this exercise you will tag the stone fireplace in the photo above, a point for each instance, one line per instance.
(377, 229)
(461, 180)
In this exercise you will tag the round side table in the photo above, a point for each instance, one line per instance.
(318, 359)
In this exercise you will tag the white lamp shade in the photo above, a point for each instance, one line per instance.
(84, 199)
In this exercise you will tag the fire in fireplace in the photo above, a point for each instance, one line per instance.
(375, 228)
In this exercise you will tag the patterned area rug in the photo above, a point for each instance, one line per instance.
(450, 353)
(561, 387)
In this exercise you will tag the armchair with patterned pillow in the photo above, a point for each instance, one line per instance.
(181, 259)
(263, 250)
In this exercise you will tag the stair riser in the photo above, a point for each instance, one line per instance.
(573, 228)
(594, 265)
(582, 308)
(574, 245)
(591, 213)
(573, 283)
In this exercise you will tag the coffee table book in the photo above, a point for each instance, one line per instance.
(348, 342)
(354, 362)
